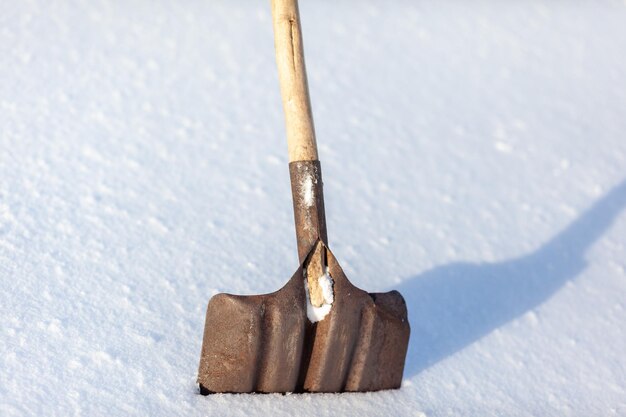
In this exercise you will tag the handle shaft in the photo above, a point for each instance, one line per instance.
(293, 81)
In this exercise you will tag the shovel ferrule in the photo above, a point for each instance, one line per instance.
(308, 205)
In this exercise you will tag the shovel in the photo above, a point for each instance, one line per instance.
(319, 333)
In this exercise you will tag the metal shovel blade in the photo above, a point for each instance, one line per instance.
(266, 343)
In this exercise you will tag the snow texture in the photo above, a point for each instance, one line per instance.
(474, 159)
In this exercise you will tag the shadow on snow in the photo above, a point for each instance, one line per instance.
(452, 306)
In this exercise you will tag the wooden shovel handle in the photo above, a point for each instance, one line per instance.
(293, 82)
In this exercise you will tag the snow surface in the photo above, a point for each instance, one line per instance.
(474, 158)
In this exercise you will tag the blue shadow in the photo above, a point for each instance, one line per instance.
(452, 306)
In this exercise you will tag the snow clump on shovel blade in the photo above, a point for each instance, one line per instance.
(314, 313)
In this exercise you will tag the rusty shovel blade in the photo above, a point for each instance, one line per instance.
(269, 343)
(266, 343)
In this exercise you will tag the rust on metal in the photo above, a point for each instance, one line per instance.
(308, 205)
(267, 343)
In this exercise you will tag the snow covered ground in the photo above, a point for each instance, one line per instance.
(474, 156)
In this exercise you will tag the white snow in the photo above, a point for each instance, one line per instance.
(474, 159)
(315, 313)
(307, 190)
